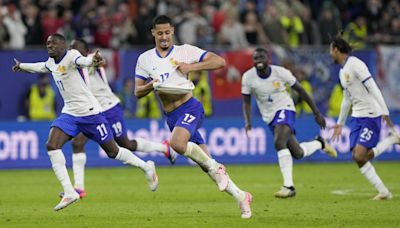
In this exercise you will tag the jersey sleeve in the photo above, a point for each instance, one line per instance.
(195, 54)
(140, 70)
(288, 77)
(361, 71)
(39, 67)
(246, 90)
(80, 60)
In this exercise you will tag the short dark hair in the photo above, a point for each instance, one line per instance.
(260, 49)
(58, 36)
(84, 43)
(341, 44)
(162, 19)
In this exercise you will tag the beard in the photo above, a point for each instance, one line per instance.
(260, 66)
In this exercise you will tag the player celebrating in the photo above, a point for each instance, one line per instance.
(368, 110)
(268, 84)
(81, 113)
(113, 112)
(167, 66)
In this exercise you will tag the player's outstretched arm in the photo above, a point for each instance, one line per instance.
(246, 111)
(39, 67)
(211, 61)
(304, 95)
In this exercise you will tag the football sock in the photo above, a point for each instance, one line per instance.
(194, 152)
(234, 191)
(384, 145)
(127, 157)
(369, 172)
(78, 166)
(286, 165)
(58, 163)
(310, 147)
(144, 145)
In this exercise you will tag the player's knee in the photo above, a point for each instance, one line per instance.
(178, 147)
(52, 146)
(359, 157)
(279, 144)
(297, 155)
(77, 146)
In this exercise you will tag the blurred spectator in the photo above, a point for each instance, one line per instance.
(356, 32)
(255, 34)
(293, 26)
(232, 33)
(204, 36)
(373, 14)
(31, 20)
(127, 98)
(272, 26)
(202, 91)
(143, 24)
(103, 34)
(4, 34)
(249, 7)
(69, 28)
(329, 25)
(15, 27)
(148, 108)
(41, 100)
(188, 27)
(335, 101)
(51, 23)
(124, 32)
(311, 34)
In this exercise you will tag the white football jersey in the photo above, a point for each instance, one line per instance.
(352, 76)
(100, 88)
(151, 65)
(271, 93)
(71, 81)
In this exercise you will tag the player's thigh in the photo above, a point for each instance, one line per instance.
(282, 132)
(78, 143)
(179, 138)
(96, 128)
(56, 139)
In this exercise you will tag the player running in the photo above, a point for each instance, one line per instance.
(113, 112)
(268, 84)
(164, 69)
(81, 113)
(368, 109)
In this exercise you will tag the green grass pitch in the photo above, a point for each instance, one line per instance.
(328, 195)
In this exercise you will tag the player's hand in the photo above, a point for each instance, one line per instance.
(320, 119)
(184, 67)
(155, 83)
(337, 132)
(388, 121)
(248, 129)
(16, 67)
(97, 58)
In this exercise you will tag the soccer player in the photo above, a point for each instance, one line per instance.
(110, 103)
(268, 84)
(165, 69)
(81, 113)
(368, 109)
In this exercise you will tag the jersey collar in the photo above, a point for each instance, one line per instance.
(57, 62)
(169, 52)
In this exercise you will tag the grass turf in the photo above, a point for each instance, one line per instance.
(328, 195)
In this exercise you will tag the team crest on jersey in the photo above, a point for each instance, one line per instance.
(61, 69)
(276, 84)
(173, 62)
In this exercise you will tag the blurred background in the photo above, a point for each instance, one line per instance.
(296, 32)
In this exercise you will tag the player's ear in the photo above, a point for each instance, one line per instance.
(153, 32)
(172, 30)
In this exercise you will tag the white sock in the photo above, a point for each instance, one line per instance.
(310, 147)
(234, 191)
(58, 163)
(384, 144)
(286, 164)
(127, 157)
(78, 166)
(195, 153)
(369, 172)
(144, 145)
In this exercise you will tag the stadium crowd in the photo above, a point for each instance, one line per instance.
(233, 24)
